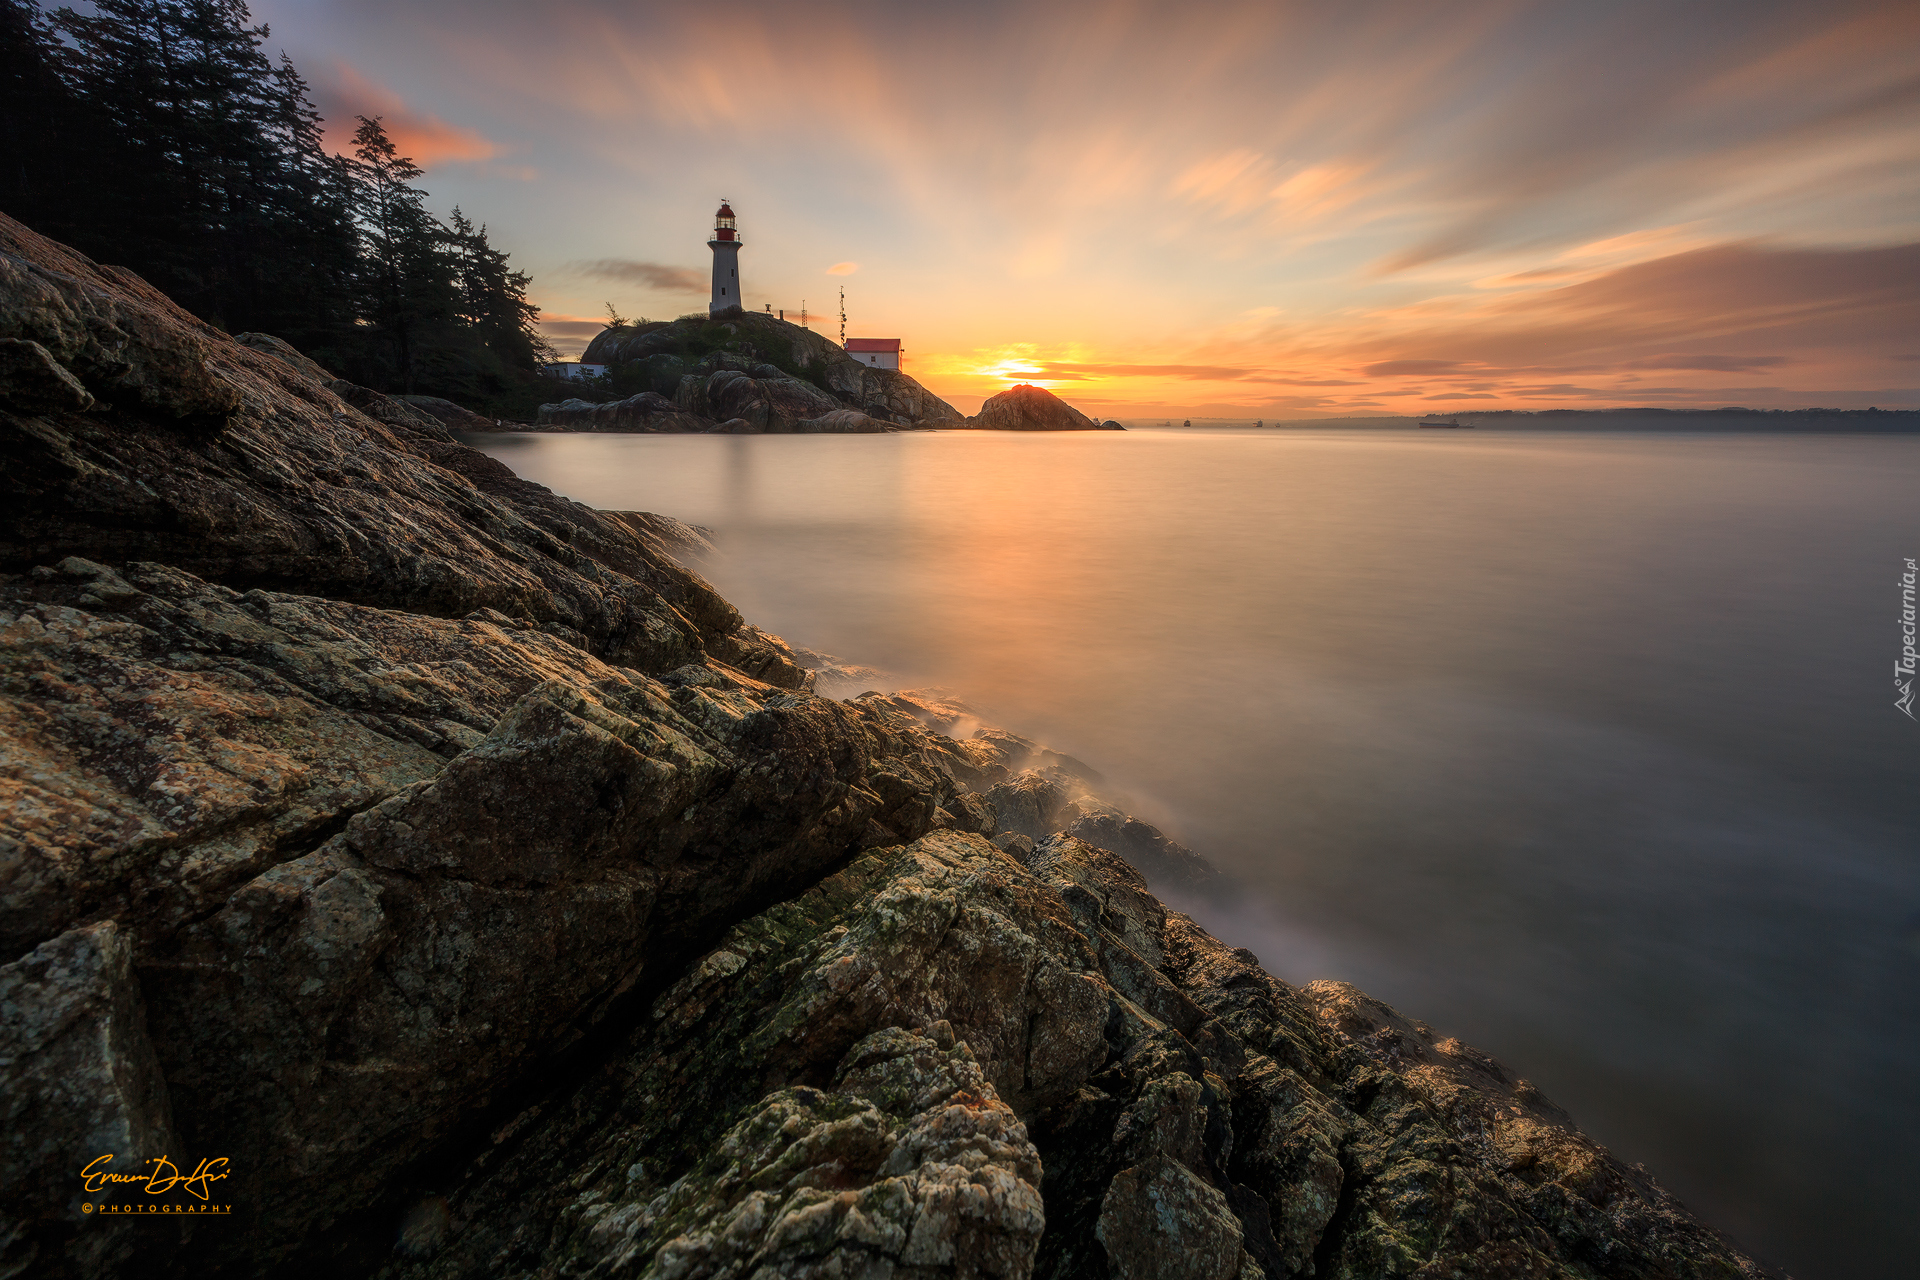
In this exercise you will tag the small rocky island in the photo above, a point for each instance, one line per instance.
(447, 882)
(747, 373)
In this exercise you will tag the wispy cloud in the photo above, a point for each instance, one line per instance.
(1505, 198)
(651, 275)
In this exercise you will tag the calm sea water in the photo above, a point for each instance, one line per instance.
(1579, 747)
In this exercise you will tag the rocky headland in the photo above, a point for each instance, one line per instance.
(476, 893)
(744, 372)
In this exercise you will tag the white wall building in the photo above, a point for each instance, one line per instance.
(878, 353)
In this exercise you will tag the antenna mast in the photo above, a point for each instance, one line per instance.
(843, 315)
(803, 313)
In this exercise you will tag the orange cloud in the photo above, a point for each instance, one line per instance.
(843, 268)
(426, 139)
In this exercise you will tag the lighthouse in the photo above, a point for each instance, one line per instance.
(726, 262)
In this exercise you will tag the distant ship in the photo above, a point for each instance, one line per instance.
(1464, 426)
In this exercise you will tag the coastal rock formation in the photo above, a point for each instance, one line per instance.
(769, 352)
(1030, 408)
(770, 404)
(465, 881)
(451, 415)
(644, 412)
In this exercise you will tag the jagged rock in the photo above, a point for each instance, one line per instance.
(691, 396)
(1164, 862)
(116, 335)
(1192, 1116)
(81, 1082)
(449, 414)
(407, 857)
(1030, 408)
(31, 380)
(392, 411)
(770, 404)
(644, 412)
(283, 351)
(303, 490)
(666, 538)
(890, 392)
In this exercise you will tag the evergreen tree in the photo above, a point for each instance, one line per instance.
(165, 140)
(48, 167)
(408, 291)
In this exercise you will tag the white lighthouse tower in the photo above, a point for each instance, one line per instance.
(726, 262)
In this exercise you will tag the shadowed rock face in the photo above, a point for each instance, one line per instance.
(469, 876)
(644, 412)
(1030, 408)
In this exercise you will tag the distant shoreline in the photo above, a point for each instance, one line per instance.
(1823, 421)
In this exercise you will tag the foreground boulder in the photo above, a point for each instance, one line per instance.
(448, 882)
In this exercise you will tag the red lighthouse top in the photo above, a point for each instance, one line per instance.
(723, 226)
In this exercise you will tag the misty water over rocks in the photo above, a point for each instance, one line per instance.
(1579, 747)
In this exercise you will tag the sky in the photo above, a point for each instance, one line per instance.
(1269, 210)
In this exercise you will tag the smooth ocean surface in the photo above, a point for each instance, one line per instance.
(1580, 747)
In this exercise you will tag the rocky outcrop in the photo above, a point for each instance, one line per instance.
(769, 403)
(284, 352)
(768, 350)
(450, 415)
(644, 412)
(476, 894)
(890, 393)
(1030, 408)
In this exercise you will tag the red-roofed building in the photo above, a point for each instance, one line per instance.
(878, 353)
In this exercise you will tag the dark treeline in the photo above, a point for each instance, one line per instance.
(158, 135)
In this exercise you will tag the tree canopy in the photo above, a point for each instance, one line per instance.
(163, 138)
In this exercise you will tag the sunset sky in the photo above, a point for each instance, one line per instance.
(1211, 210)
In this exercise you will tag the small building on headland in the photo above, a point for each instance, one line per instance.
(574, 369)
(878, 353)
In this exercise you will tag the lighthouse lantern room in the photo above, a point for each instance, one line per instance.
(726, 262)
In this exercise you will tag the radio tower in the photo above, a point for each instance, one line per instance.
(843, 315)
(803, 313)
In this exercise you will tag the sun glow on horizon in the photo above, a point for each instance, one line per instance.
(1324, 211)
